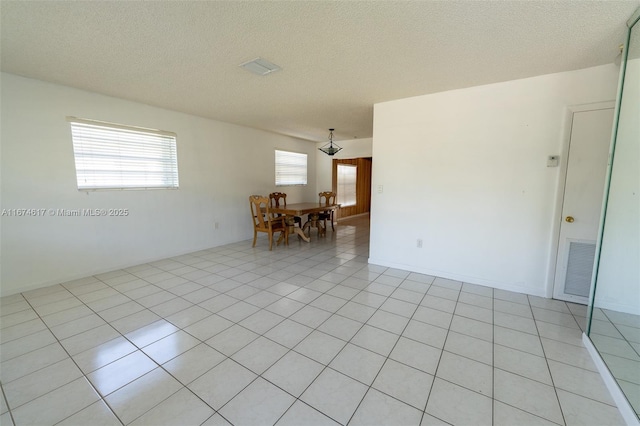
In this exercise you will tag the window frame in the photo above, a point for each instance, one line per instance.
(340, 198)
(112, 157)
(280, 174)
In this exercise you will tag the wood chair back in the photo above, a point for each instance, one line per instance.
(263, 219)
(262, 216)
(327, 198)
(276, 198)
(280, 199)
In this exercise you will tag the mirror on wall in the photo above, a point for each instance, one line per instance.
(614, 326)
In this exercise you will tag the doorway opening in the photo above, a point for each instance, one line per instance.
(352, 185)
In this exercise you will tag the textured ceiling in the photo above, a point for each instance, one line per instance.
(338, 58)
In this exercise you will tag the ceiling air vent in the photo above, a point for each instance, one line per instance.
(260, 66)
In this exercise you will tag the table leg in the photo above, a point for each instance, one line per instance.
(301, 234)
(288, 230)
(315, 222)
(291, 229)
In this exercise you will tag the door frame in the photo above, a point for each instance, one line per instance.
(569, 111)
(363, 185)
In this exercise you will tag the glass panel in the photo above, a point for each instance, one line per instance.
(347, 184)
(614, 326)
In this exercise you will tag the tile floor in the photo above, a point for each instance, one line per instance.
(308, 334)
(616, 336)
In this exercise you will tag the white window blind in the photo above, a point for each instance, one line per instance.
(291, 168)
(112, 156)
(347, 174)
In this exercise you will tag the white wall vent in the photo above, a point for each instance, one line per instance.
(260, 66)
(579, 268)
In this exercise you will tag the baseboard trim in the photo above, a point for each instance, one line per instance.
(352, 216)
(458, 277)
(88, 273)
(627, 412)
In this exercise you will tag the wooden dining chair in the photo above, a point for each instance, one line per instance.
(265, 221)
(327, 198)
(278, 199)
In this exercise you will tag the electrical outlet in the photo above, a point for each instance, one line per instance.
(380, 188)
(419, 243)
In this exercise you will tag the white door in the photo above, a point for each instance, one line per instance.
(583, 192)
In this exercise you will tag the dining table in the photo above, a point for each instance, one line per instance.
(300, 209)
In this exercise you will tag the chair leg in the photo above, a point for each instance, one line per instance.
(270, 240)
(284, 236)
(255, 237)
(332, 227)
(289, 228)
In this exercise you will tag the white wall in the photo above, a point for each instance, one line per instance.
(465, 171)
(355, 148)
(220, 165)
(618, 281)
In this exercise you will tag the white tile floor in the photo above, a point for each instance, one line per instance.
(305, 334)
(616, 336)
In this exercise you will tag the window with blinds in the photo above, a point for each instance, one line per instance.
(346, 193)
(112, 156)
(291, 168)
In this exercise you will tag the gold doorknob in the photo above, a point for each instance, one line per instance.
(569, 219)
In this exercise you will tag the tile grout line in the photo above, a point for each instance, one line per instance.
(230, 357)
(289, 350)
(337, 353)
(100, 397)
(95, 312)
(370, 386)
(235, 251)
(103, 398)
(493, 358)
(553, 383)
(9, 411)
(435, 373)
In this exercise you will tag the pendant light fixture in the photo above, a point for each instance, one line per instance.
(330, 149)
